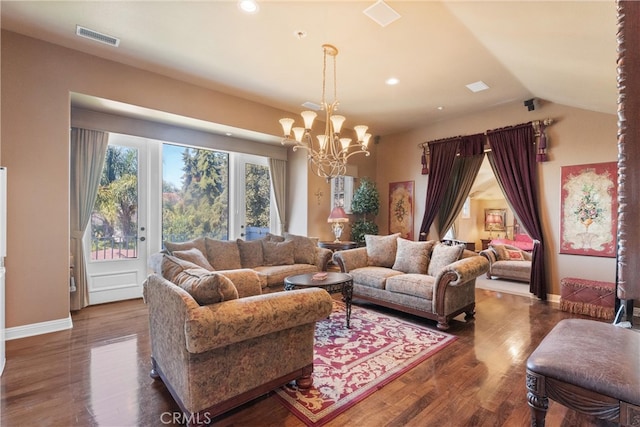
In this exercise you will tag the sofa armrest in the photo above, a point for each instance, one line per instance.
(462, 271)
(452, 289)
(217, 325)
(490, 255)
(323, 256)
(351, 259)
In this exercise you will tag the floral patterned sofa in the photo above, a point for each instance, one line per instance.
(218, 343)
(273, 258)
(428, 279)
(508, 262)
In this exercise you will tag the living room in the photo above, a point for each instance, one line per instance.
(39, 78)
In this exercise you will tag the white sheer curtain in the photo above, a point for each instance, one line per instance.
(278, 172)
(88, 151)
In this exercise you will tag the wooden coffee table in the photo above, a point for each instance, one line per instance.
(334, 283)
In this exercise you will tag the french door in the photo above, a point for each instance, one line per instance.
(152, 191)
(115, 241)
(254, 199)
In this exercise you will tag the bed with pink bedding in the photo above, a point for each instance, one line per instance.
(521, 241)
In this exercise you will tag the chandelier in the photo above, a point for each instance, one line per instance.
(329, 152)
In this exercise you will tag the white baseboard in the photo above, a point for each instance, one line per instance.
(38, 328)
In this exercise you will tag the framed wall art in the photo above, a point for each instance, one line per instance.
(589, 206)
(401, 209)
(495, 220)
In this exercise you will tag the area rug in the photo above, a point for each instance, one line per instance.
(351, 364)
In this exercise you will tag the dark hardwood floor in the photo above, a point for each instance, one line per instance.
(97, 374)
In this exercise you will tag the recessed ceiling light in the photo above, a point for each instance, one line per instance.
(439, 108)
(248, 6)
(477, 86)
(392, 81)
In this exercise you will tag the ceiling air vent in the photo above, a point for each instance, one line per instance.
(381, 13)
(312, 106)
(99, 37)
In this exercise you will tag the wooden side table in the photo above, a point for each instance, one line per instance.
(485, 243)
(337, 246)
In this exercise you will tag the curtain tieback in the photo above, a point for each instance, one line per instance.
(77, 234)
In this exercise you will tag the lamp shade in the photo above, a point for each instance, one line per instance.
(338, 215)
(494, 219)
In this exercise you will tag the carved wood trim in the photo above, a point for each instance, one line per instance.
(583, 400)
(628, 70)
(629, 415)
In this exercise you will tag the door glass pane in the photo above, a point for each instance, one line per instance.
(257, 201)
(114, 220)
(195, 193)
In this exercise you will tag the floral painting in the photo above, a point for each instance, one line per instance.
(401, 209)
(588, 220)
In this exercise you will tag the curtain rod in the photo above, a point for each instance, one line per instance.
(535, 123)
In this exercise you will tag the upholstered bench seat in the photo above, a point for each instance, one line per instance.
(589, 366)
(588, 297)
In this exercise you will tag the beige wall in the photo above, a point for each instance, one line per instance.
(577, 137)
(37, 78)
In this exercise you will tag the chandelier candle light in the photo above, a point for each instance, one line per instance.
(328, 156)
(337, 218)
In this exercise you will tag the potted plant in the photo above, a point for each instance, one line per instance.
(366, 201)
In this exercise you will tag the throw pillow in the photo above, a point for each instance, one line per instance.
(381, 250)
(250, 253)
(223, 254)
(204, 286)
(304, 249)
(183, 246)
(412, 257)
(443, 255)
(515, 255)
(278, 253)
(195, 256)
(501, 252)
(274, 238)
(171, 266)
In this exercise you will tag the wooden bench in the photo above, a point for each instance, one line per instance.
(588, 366)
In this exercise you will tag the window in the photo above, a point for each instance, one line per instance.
(342, 192)
(196, 195)
(114, 217)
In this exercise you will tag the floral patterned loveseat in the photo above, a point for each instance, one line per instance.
(427, 279)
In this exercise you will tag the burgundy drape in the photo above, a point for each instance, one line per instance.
(513, 160)
(465, 170)
(443, 154)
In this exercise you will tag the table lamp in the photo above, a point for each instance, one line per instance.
(337, 218)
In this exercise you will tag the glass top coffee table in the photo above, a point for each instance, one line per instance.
(332, 283)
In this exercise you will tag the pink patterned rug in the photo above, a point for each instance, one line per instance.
(351, 364)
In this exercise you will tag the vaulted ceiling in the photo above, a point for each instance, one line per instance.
(558, 51)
